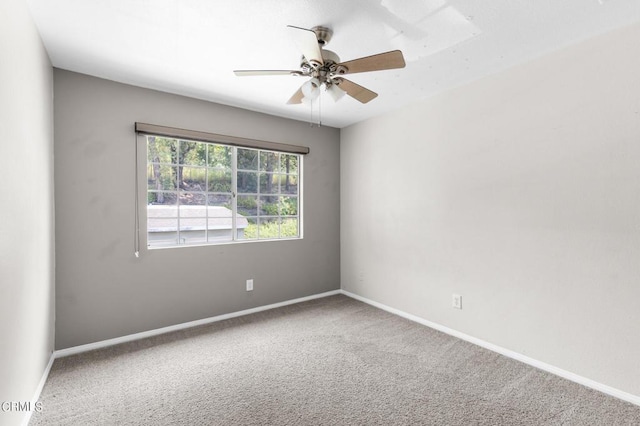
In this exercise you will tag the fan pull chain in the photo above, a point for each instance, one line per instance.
(320, 110)
(319, 123)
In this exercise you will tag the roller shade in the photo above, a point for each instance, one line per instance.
(173, 132)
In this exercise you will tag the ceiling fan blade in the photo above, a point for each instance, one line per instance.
(356, 91)
(245, 73)
(381, 61)
(296, 98)
(307, 42)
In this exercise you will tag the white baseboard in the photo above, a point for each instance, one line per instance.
(36, 396)
(137, 336)
(625, 396)
(150, 333)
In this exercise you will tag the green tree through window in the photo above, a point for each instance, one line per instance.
(204, 193)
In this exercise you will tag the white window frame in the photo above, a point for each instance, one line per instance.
(143, 191)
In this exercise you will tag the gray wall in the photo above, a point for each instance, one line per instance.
(520, 192)
(102, 290)
(26, 212)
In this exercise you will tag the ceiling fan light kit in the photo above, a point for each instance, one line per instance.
(311, 89)
(335, 92)
(325, 69)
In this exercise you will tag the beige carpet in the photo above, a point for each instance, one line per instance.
(331, 361)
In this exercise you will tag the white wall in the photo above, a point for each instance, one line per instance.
(26, 207)
(102, 290)
(521, 192)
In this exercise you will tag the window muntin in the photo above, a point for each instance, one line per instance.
(206, 193)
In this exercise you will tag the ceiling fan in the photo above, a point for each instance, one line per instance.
(324, 67)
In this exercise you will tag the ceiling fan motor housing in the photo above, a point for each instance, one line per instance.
(330, 57)
(329, 68)
(326, 71)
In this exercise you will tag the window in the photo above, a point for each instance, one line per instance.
(205, 193)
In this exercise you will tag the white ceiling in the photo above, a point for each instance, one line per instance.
(191, 47)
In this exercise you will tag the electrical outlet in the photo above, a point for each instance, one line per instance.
(250, 285)
(456, 301)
